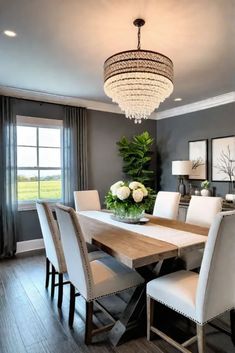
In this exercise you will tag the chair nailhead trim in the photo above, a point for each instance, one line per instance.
(189, 317)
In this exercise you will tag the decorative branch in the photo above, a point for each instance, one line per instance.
(225, 164)
(197, 163)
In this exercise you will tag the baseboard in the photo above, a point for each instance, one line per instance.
(29, 245)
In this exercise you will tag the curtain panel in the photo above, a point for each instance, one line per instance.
(8, 178)
(75, 169)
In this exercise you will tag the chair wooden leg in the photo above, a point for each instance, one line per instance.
(52, 281)
(71, 305)
(200, 339)
(150, 315)
(60, 291)
(47, 273)
(89, 324)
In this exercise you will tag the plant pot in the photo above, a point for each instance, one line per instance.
(205, 192)
(128, 216)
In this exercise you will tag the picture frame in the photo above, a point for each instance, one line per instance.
(222, 158)
(198, 154)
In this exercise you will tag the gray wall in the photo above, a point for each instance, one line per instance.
(104, 130)
(105, 166)
(174, 133)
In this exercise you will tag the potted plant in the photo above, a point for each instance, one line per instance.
(128, 200)
(137, 155)
(205, 188)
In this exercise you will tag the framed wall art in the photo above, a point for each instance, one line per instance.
(223, 158)
(198, 154)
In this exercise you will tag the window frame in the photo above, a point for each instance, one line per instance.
(39, 123)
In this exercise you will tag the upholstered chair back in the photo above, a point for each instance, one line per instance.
(87, 200)
(202, 210)
(216, 286)
(75, 251)
(51, 236)
(167, 204)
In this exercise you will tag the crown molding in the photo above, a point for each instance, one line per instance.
(113, 108)
(59, 99)
(196, 106)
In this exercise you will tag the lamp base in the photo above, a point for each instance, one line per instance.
(181, 187)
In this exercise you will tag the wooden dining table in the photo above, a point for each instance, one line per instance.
(141, 247)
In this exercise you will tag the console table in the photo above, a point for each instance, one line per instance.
(184, 203)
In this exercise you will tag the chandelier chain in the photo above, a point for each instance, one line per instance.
(139, 37)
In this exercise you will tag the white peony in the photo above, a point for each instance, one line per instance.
(145, 191)
(115, 187)
(138, 195)
(123, 192)
(134, 185)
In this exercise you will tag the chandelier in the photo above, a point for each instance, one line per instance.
(138, 80)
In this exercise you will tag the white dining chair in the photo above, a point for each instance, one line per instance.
(199, 297)
(55, 261)
(201, 211)
(87, 200)
(167, 204)
(95, 279)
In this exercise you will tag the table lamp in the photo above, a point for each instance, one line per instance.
(181, 169)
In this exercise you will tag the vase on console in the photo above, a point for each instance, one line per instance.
(205, 188)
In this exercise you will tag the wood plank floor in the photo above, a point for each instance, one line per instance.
(31, 323)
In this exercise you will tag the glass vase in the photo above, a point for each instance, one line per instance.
(128, 215)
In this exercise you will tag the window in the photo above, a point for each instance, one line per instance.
(38, 160)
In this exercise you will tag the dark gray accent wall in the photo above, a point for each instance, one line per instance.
(104, 130)
(174, 133)
(105, 166)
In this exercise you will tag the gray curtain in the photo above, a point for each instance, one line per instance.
(8, 179)
(75, 175)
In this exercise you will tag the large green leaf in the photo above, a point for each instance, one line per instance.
(136, 154)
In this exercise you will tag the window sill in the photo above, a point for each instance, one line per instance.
(26, 208)
(32, 207)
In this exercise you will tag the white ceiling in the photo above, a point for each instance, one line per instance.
(61, 44)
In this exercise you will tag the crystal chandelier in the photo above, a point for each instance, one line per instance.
(138, 80)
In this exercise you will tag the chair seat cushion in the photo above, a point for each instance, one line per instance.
(192, 259)
(110, 276)
(177, 291)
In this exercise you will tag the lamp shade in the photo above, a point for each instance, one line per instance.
(181, 167)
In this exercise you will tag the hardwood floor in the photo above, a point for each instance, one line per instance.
(31, 323)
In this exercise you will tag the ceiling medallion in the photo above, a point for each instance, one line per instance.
(138, 80)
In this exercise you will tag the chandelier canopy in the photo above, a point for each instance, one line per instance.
(138, 80)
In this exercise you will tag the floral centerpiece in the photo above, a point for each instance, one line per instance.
(128, 201)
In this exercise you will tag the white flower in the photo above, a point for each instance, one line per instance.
(134, 185)
(145, 191)
(138, 195)
(116, 186)
(123, 192)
